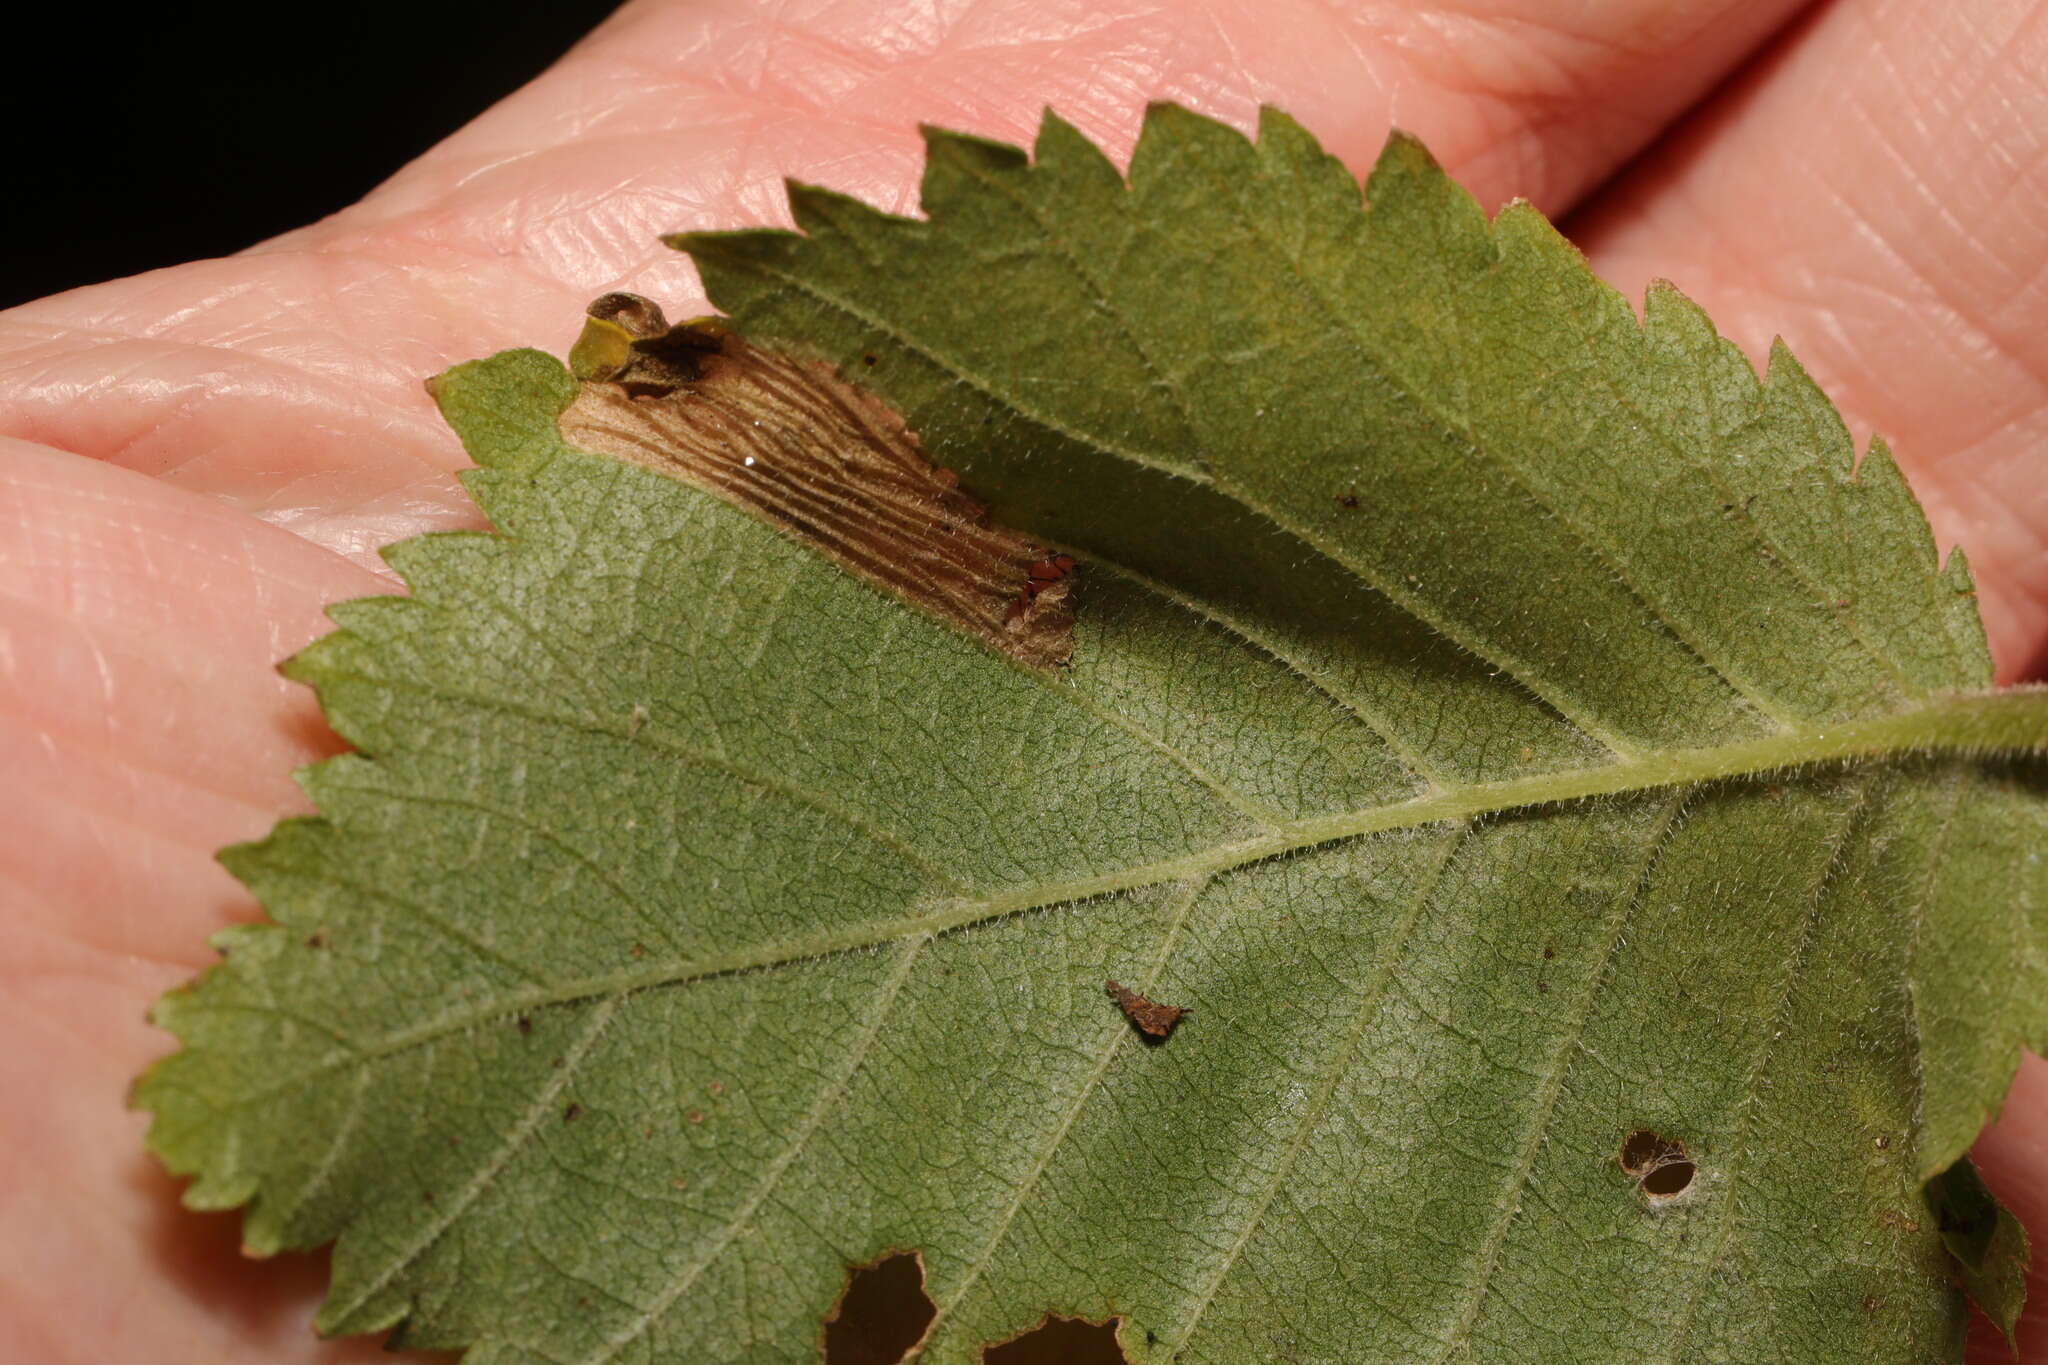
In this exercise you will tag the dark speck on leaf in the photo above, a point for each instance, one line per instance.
(572, 1113)
(525, 1024)
(317, 939)
(1347, 500)
(1154, 1020)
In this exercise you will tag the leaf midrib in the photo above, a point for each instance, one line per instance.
(2007, 720)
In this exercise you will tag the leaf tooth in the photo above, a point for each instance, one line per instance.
(1290, 155)
(994, 153)
(958, 165)
(735, 244)
(1065, 153)
(1282, 134)
(1412, 205)
(1172, 137)
(1789, 387)
(1681, 334)
(1965, 625)
(819, 211)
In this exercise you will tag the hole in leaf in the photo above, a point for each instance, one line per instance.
(1060, 1341)
(1660, 1165)
(882, 1314)
(1669, 1179)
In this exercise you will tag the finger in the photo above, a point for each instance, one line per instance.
(138, 706)
(689, 116)
(1874, 193)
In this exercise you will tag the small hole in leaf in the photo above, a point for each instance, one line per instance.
(882, 1314)
(1638, 1150)
(1660, 1165)
(1060, 1341)
(1671, 1178)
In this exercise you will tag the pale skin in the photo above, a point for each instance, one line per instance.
(194, 463)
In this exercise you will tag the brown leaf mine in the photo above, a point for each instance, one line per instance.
(791, 442)
(1154, 1020)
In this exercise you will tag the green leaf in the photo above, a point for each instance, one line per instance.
(1989, 1245)
(1552, 774)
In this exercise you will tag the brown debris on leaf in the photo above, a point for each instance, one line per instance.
(1154, 1020)
(796, 445)
(882, 1315)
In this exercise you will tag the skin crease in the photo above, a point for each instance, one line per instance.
(193, 462)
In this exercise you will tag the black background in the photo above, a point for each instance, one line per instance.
(202, 130)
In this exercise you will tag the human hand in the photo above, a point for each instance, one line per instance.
(198, 461)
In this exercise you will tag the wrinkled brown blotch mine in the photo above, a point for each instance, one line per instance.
(1153, 1019)
(791, 442)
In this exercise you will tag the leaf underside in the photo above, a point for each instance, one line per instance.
(1517, 736)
